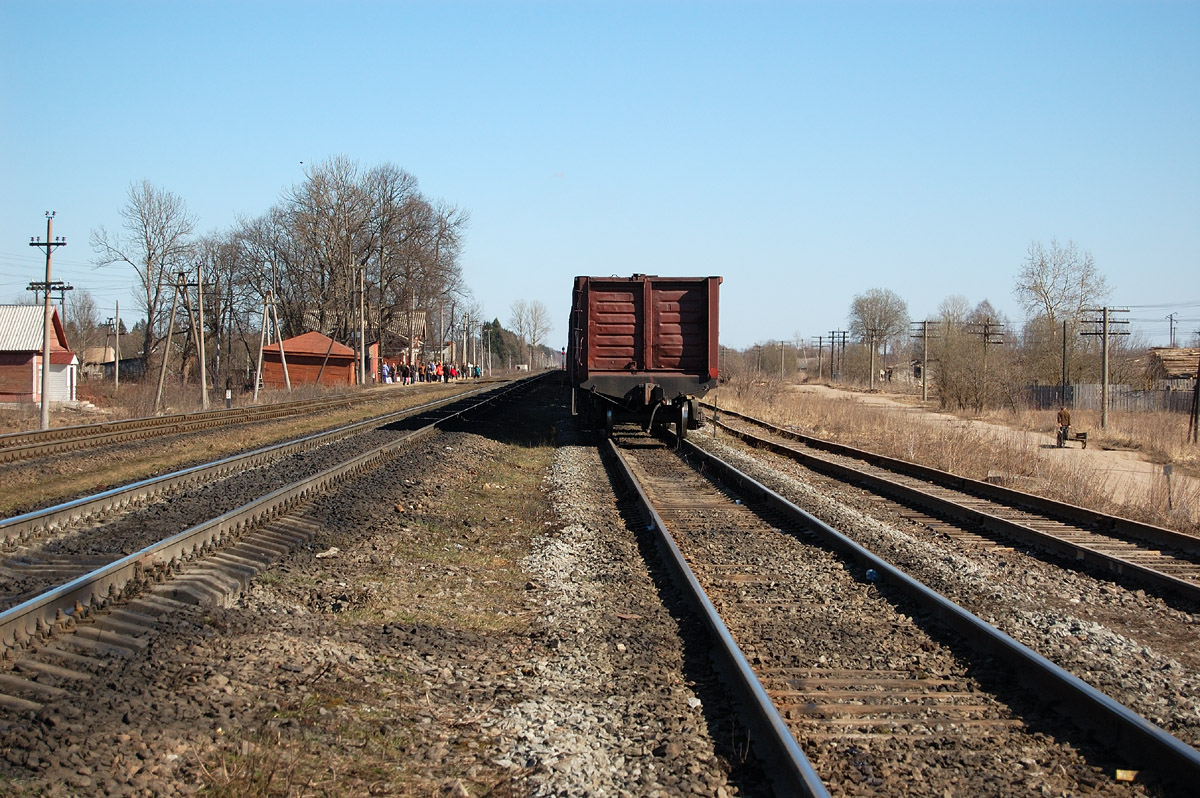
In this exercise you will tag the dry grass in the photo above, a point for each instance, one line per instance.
(445, 559)
(1002, 452)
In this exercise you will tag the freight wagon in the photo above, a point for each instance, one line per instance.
(642, 348)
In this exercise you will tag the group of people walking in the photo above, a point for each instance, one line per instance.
(405, 374)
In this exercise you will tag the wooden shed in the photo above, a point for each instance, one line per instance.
(21, 331)
(312, 359)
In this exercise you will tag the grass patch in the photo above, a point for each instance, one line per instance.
(981, 453)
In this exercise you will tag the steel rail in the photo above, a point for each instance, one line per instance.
(1113, 563)
(26, 525)
(788, 768)
(39, 615)
(1101, 521)
(35, 443)
(1124, 730)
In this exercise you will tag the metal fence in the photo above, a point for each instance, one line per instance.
(1171, 398)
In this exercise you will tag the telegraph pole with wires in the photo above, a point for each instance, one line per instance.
(162, 371)
(48, 245)
(203, 354)
(922, 330)
(197, 330)
(872, 335)
(992, 333)
(1104, 332)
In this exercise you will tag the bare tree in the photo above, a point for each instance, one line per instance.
(156, 242)
(519, 322)
(82, 322)
(539, 326)
(1054, 286)
(879, 317)
(1058, 282)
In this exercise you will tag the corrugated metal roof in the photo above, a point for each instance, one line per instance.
(21, 328)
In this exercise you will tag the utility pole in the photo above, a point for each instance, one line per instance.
(362, 325)
(992, 333)
(924, 334)
(871, 333)
(117, 350)
(837, 337)
(1104, 333)
(203, 359)
(820, 355)
(48, 245)
(1064, 363)
(1171, 319)
(382, 277)
(162, 371)
(184, 285)
(114, 326)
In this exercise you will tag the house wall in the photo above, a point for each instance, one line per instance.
(62, 383)
(303, 370)
(18, 375)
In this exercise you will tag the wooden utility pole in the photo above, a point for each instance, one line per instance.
(287, 379)
(162, 372)
(203, 359)
(924, 335)
(47, 323)
(362, 325)
(187, 304)
(871, 343)
(1104, 334)
(117, 350)
(262, 340)
(1064, 363)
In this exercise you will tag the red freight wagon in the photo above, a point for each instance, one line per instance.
(642, 348)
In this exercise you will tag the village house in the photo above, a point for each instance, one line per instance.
(21, 333)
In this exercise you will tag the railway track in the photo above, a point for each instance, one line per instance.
(1153, 557)
(26, 528)
(849, 659)
(207, 562)
(16, 446)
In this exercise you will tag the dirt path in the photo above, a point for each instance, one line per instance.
(1124, 474)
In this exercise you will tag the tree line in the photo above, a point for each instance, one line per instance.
(346, 248)
(976, 357)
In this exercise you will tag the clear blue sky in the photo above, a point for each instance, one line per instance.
(806, 151)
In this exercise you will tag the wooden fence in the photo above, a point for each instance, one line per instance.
(1174, 397)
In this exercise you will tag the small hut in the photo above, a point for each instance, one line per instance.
(312, 359)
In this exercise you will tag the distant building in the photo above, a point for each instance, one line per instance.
(312, 359)
(21, 333)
